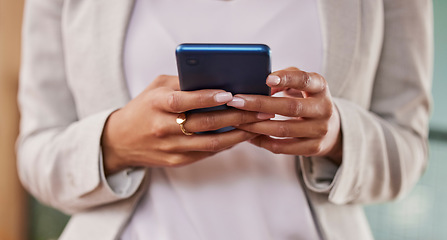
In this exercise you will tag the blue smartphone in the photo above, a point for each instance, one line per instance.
(235, 68)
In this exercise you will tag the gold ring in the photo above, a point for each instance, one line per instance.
(181, 120)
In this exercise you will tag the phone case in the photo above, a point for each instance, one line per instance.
(236, 68)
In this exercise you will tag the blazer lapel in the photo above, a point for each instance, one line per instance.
(340, 22)
(96, 33)
(113, 19)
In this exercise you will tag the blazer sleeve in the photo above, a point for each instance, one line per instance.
(385, 148)
(58, 154)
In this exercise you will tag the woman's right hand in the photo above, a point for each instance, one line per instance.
(145, 132)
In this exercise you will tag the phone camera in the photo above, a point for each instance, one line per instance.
(192, 61)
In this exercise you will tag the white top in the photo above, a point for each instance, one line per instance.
(245, 192)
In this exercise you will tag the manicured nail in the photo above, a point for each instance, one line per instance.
(265, 116)
(273, 80)
(223, 97)
(236, 102)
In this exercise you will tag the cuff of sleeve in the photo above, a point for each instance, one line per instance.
(345, 187)
(319, 173)
(122, 184)
(322, 176)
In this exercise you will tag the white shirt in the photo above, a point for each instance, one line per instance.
(245, 192)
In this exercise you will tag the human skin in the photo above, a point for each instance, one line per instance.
(314, 127)
(145, 133)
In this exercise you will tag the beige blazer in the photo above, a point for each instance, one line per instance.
(378, 62)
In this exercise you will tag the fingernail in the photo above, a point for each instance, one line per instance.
(236, 102)
(223, 97)
(273, 80)
(265, 116)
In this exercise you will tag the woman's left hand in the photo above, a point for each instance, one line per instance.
(314, 125)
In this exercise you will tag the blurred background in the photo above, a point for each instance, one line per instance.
(420, 215)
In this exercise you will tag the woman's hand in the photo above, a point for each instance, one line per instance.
(314, 127)
(145, 132)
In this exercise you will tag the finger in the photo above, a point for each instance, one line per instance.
(167, 124)
(292, 92)
(205, 142)
(182, 101)
(202, 122)
(288, 128)
(286, 106)
(297, 79)
(295, 146)
(274, 90)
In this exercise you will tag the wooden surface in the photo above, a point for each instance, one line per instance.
(13, 204)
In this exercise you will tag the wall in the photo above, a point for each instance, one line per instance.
(13, 204)
(423, 213)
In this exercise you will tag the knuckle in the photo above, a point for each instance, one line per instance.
(289, 77)
(295, 107)
(275, 148)
(166, 147)
(244, 117)
(324, 84)
(319, 79)
(305, 82)
(174, 101)
(209, 121)
(213, 145)
(158, 131)
(257, 104)
(322, 130)
(174, 161)
(202, 99)
(160, 79)
(330, 110)
(283, 131)
(163, 77)
(285, 79)
(294, 69)
(315, 148)
(327, 109)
